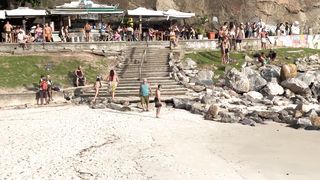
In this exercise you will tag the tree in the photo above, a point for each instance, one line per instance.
(32, 2)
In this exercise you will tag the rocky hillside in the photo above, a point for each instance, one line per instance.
(271, 11)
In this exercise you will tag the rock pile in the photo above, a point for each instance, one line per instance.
(253, 94)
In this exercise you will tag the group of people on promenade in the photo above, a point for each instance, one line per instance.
(145, 90)
(231, 35)
(107, 32)
(16, 34)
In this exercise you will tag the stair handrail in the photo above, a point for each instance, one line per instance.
(143, 58)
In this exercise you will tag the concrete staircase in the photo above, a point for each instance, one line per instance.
(155, 68)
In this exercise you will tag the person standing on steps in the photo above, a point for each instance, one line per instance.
(80, 78)
(97, 86)
(145, 92)
(157, 101)
(113, 82)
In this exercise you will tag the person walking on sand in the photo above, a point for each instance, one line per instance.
(145, 92)
(113, 83)
(157, 101)
(97, 86)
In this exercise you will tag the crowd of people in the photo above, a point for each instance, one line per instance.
(16, 34)
(231, 35)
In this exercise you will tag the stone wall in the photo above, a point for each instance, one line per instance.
(27, 98)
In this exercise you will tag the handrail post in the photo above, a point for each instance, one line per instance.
(143, 59)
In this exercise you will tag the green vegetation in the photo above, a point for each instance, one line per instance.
(25, 71)
(212, 59)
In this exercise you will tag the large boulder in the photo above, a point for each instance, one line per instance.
(296, 86)
(228, 117)
(205, 77)
(181, 103)
(315, 121)
(308, 77)
(197, 108)
(254, 95)
(257, 82)
(270, 72)
(272, 88)
(316, 90)
(189, 64)
(198, 88)
(208, 99)
(237, 81)
(288, 71)
(212, 112)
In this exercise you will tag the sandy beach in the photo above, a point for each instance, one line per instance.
(76, 142)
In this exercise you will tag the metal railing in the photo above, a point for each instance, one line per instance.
(143, 58)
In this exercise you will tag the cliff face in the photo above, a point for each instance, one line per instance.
(307, 12)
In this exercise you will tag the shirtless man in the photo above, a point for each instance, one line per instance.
(8, 29)
(87, 28)
(263, 36)
(48, 33)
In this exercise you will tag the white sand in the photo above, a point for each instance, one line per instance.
(78, 142)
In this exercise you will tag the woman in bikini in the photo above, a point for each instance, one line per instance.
(97, 86)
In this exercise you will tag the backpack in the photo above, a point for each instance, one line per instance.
(44, 85)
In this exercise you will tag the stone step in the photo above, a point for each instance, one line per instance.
(146, 64)
(136, 89)
(137, 83)
(154, 78)
(133, 94)
(153, 86)
(145, 75)
(145, 67)
(143, 70)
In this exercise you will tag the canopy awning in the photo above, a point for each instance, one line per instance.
(177, 14)
(141, 11)
(2, 15)
(85, 11)
(25, 11)
(85, 7)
